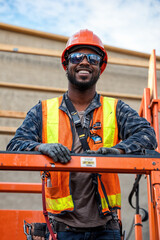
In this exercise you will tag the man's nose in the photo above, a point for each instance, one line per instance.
(84, 61)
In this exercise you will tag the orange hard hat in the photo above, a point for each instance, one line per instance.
(85, 38)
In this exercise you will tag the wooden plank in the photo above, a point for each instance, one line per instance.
(61, 91)
(33, 32)
(120, 95)
(32, 87)
(29, 50)
(57, 53)
(12, 114)
(64, 39)
(7, 130)
(131, 62)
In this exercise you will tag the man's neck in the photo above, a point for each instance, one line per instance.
(81, 99)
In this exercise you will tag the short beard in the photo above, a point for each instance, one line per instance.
(82, 85)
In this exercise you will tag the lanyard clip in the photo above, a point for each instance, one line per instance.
(45, 174)
(76, 119)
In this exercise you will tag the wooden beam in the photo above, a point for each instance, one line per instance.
(129, 52)
(29, 50)
(33, 32)
(7, 130)
(12, 114)
(57, 53)
(120, 95)
(64, 39)
(60, 90)
(32, 87)
(131, 62)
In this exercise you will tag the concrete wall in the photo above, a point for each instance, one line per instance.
(47, 71)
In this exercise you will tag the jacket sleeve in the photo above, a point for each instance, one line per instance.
(135, 132)
(29, 134)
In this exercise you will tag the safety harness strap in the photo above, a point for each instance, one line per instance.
(45, 213)
(77, 122)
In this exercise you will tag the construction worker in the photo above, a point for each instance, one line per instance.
(83, 205)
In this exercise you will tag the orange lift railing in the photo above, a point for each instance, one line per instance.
(11, 221)
(150, 106)
(24, 161)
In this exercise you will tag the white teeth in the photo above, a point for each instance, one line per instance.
(83, 72)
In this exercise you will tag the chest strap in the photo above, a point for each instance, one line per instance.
(77, 122)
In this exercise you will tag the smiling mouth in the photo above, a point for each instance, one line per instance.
(83, 72)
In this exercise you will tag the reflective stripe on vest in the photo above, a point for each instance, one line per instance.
(50, 120)
(109, 122)
(114, 201)
(60, 204)
(56, 128)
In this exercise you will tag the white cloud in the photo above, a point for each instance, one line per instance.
(123, 23)
(128, 24)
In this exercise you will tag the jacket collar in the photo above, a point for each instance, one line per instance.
(95, 103)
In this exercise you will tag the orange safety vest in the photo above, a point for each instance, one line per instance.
(56, 129)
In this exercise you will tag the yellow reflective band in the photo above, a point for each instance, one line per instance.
(59, 204)
(52, 120)
(114, 200)
(81, 135)
(108, 121)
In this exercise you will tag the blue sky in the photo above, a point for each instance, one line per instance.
(129, 24)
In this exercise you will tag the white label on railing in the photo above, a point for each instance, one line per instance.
(88, 162)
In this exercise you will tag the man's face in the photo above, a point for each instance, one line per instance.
(83, 75)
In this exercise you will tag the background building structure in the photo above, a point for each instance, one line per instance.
(31, 70)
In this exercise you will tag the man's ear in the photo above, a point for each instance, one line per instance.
(67, 71)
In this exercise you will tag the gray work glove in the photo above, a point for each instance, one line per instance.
(56, 151)
(105, 151)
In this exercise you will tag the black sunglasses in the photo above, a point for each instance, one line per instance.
(76, 58)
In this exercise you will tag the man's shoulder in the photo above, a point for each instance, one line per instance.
(111, 100)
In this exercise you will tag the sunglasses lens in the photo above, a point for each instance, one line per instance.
(94, 59)
(76, 58)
